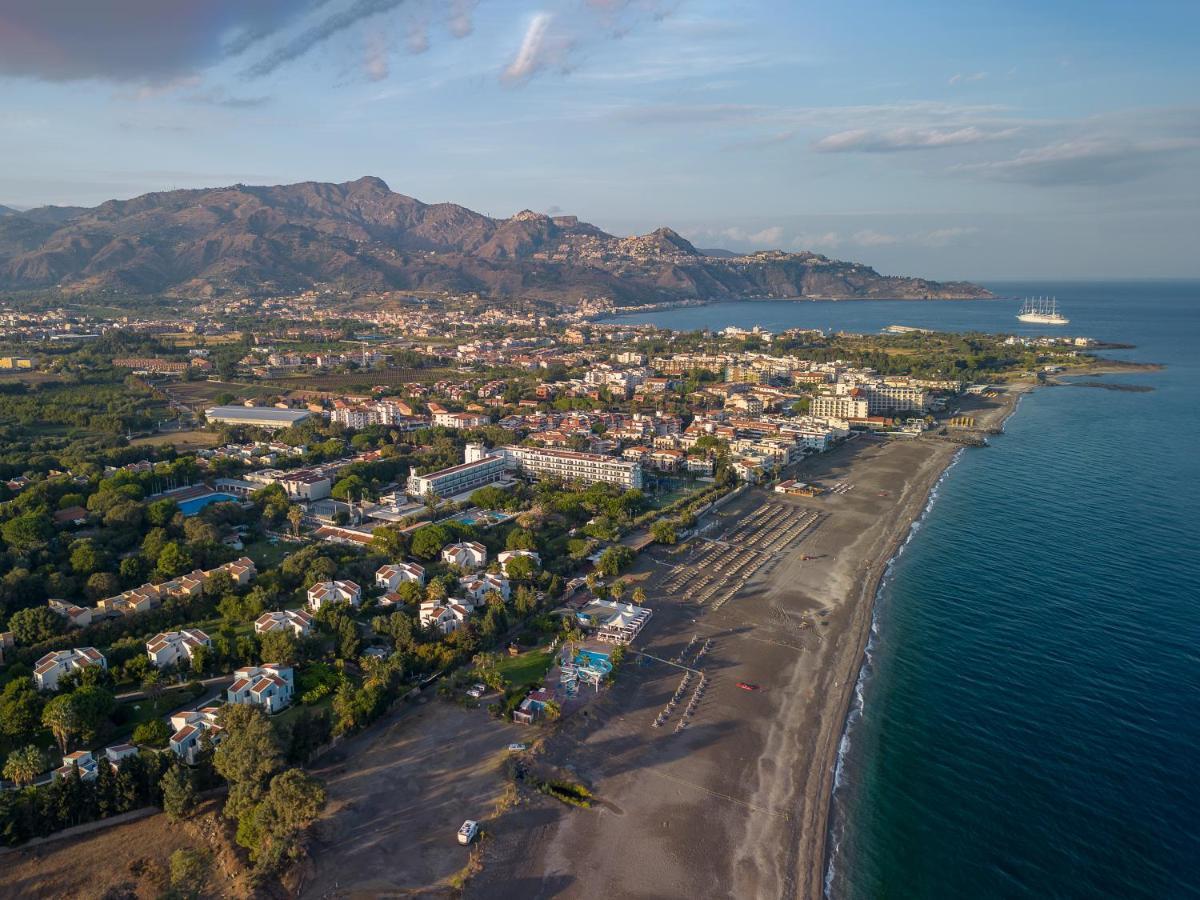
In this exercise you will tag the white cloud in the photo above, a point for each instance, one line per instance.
(827, 241)
(871, 238)
(962, 78)
(940, 237)
(772, 235)
(864, 140)
(1084, 161)
(539, 49)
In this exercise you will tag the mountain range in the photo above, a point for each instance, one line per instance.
(361, 235)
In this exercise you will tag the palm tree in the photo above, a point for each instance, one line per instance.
(639, 596)
(24, 765)
(552, 710)
(617, 590)
(152, 686)
(295, 516)
(61, 717)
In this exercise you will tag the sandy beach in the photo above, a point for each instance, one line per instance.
(736, 803)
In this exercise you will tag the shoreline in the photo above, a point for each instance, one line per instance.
(741, 798)
(819, 873)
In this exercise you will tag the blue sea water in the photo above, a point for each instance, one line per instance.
(1030, 705)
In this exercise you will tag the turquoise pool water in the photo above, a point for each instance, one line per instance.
(195, 504)
(594, 660)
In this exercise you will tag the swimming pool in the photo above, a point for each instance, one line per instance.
(593, 659)
(193, 505)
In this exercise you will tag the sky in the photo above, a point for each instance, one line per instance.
(988, 139)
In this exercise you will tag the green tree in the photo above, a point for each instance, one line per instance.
(295, 517)
(639, 596)
(102, 584)
(520, 568)
(62, 718)
(173, 560)
(663, 532)
(189, 872)
(24, 765)
(153, 733)
(351, 488)
(520, 539)
(247, 757)
(85, 558)
(40, 623)
(179, 793)
(428, 541)
(161, 512)
(92, 704)
(20, 708)
(28, 533)
(614, 559)
(277, 647)
(292, 803)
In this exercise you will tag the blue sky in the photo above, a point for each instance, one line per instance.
(977, 140)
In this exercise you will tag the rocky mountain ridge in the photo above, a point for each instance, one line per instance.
(361, 235)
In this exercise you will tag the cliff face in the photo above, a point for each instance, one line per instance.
(361, 234)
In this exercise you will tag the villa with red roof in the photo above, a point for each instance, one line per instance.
(54, 665)
(172, 648)
(391, 576)
(325, 592)
(268, 686)
(298, 620)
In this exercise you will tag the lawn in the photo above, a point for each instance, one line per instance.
(267, 555)
(181, 440)
(526, 669)
(140, 711)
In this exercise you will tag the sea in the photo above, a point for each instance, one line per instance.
(1027, 720)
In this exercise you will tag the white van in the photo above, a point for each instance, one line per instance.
(468, 832)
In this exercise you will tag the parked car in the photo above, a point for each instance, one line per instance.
(468, 832)
(477, 691)
(517, 748)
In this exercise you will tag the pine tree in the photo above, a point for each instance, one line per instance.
(179, 793)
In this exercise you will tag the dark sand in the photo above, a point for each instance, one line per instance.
(737, 804)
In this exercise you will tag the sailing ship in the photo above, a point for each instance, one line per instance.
(1043, 311)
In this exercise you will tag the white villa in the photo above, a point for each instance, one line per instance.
(298, 620)
(391, 576)
(269, 686)
(54, 665)
(468, 555)
(172, 648)
(190, 727)
(505, 555)
(325, 592)
(76, 616)
(445, 617)
(478, 586)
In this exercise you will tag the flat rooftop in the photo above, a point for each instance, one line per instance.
(259, 413)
